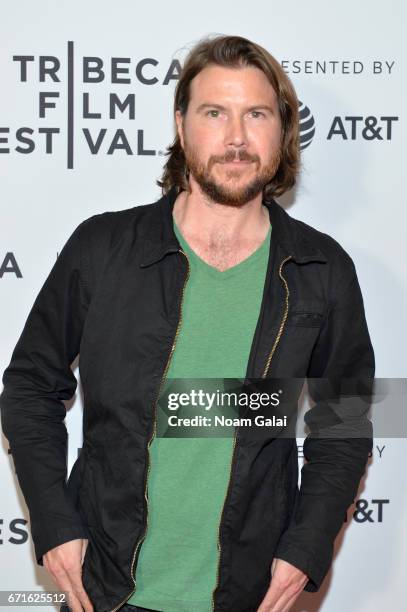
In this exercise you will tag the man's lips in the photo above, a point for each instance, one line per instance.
(237, 162)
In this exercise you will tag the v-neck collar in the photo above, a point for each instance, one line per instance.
(238, 268)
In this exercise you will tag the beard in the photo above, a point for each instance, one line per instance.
(228, 192)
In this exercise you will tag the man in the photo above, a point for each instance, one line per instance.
(213, 280)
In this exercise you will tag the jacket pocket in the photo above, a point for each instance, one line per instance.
(306, 313)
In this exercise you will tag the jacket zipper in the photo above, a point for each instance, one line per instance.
(283, 320)
(154, 432)
(273, 349)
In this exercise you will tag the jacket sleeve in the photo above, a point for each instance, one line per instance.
(337, 448)
(36, 381)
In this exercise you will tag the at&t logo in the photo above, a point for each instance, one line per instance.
(307, 126)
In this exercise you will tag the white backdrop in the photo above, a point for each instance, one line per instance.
(347, 63)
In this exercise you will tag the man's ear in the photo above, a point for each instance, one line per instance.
(179, 120)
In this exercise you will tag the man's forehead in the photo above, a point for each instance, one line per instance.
(230, 81)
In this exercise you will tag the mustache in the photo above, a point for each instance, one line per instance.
(231, 155)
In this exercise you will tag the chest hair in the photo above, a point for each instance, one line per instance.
(222, 253)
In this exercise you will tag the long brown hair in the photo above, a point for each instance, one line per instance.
(237, 52)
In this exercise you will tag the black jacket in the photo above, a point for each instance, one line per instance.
(114, 296)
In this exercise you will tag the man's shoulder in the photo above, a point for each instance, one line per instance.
(322, 241)
(328, 245)
(114, 222)
(102, 233)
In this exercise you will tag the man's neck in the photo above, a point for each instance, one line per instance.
(217, 225)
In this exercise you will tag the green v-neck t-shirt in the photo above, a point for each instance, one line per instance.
(188, 477)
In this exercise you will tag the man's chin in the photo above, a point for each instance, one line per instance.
(229, 196)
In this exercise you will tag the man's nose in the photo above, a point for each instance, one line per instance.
(235, 132)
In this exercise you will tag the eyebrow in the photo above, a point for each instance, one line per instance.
(205, 105)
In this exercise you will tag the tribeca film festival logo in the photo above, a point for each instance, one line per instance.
(118, 71)
(13, 531)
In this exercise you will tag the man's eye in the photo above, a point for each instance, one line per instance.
(257, 114)
(213, 113)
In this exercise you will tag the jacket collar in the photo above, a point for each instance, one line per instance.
(291, 240)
